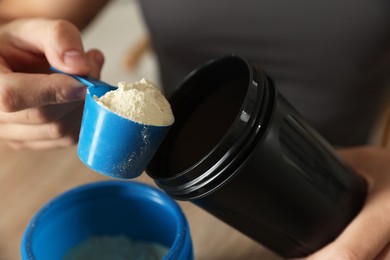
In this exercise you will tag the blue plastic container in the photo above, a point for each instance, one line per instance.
(113, 145)
(111, 208)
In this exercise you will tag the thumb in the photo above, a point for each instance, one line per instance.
(59, 40)
(96, 60)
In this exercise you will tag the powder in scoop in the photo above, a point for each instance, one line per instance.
(140, 101)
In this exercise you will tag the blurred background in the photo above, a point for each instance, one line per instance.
(121, 46)
(130, 58)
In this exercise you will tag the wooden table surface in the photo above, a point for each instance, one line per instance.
(29, 179)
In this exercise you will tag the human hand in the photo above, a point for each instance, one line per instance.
(368, 235)
(40, 110)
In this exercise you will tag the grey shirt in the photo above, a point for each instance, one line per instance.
(329, 58)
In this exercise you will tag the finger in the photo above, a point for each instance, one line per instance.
(4, 68)
(20, 91)
(66, 141)
(366, 235)
(59, 40)
(50, 131)
(38, 115)
(95, 60)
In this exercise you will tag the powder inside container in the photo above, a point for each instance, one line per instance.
(116, 247)
(140, 101)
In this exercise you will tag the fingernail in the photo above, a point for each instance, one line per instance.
(74, 58)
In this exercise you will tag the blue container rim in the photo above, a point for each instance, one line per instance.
(182, 237)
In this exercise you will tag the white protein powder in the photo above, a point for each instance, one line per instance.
(115, 248)
(140, 101)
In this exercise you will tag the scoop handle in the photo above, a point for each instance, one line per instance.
(88, 81)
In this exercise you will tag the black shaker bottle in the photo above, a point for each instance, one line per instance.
(240, 151)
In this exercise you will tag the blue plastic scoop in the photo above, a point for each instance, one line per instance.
(111, 144)
(88, 81)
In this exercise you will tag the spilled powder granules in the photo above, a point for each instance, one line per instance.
(115, 248)
(140, 101)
